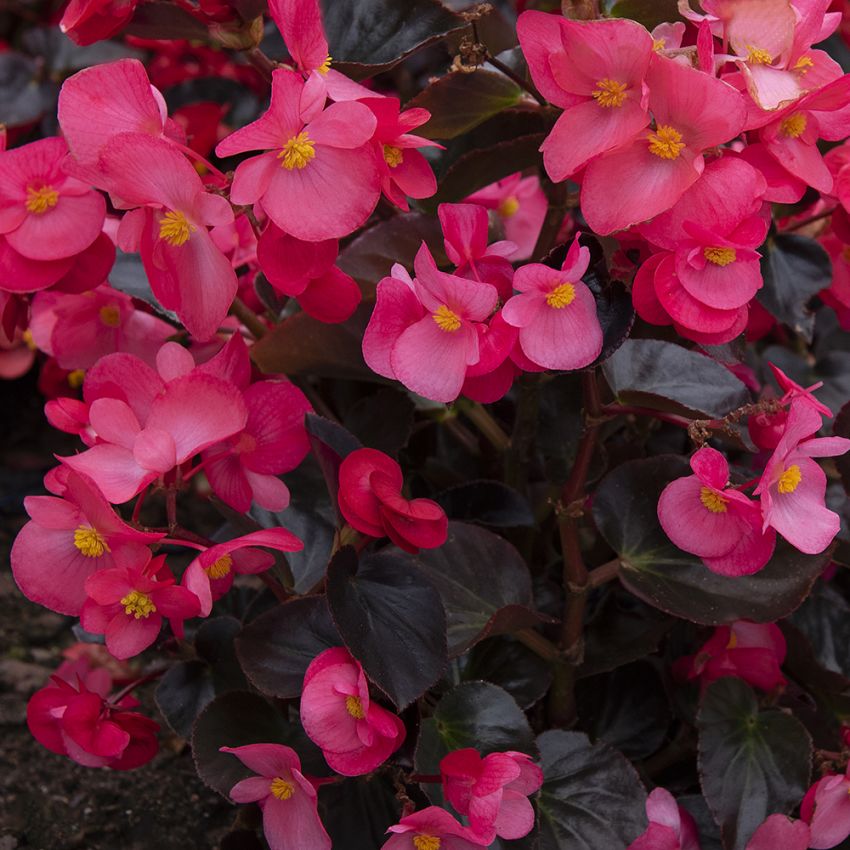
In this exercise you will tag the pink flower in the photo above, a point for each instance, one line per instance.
(595, 71)
(318, 178)
(244, 469)
(354, 733)
(701, 515)
(404, 171)
(88, 21)
(465, 231)
(307, 271)
(693, 112)
(425, 332)
(670, 826)
(300, 24)
(45, 215)
(126, 605)
(826, 809)
(493, 791)
(74, 720)
(750, 651)
(432, 828)
(520, 205)
(370, 499)
(792, 486)
(794, 390)
(211, 574)
(556, 313)
(145, 425)
(69, 538)
(780, 831)
(188, 272)
(288, 799)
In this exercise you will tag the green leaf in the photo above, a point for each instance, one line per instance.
(625, 511)
(752, 763)
(479, 600)
(591, 796)
(391, 619)
(650, 13)
(276, 648)
(460, 101)
(794, 269)
(663, 376)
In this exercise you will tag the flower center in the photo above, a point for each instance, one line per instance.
(175, 229)
(220, 568)
(110, 315)
(281, 789)
(91, 543)
(354, 707)
(733, 640)
(393, 156)
(509, 207)
(137, 604)
(720, 256)
(666, 142)
(793, 126)
(446, 319)
(26, 336)
(758, 56)
(76, 378)
(845, 254)
(561, 296)
(712, 501)
(297, 152)
(803, 64)
(790, 479)
(426, 842)
(658, 44)
(326, 65)
(609, 93)
(42, 199)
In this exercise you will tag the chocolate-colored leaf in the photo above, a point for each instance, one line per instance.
(182, 693)
(512, 666)
(487, 502)
(357, 812)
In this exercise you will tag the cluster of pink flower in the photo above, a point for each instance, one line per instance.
(356, 735)
(641, 130)
(734, 534)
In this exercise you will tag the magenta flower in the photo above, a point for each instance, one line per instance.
(188, 272)
(69, 538)
(300, 24)
(288, 799)
(77, 721)
(753, 652)
(370, 499)
(88, 21)
(354, 733)
(211, 574)
(126, 605)
(244, 469)
(670, 826)
(45, 215)
(781, 831)
(556, 313)
(693, 112)
(793, 487)
(826, 809)
(432, 828)
(596, 72)
(520, 205)
(318, 178)
(492, 791)
(705, 517)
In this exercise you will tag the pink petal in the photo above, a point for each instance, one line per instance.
(269, 760)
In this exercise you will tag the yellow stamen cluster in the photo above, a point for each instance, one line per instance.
(509, 207)
(281, 789)
(175, 228)
(326, 65)
(712, 501)
(447, 320)
(220, 568)
(666, 142)
(110, 315)
(803, 64)
(720, 256)
(609, 93)
(393, 157)
(26, 336)
(790, 479)
(76, 378)
(137, 604)
(794, 125)
(758, 56)
(297, 152)
(354, 707)
(427, 842)
(90, 542)
(561, 296)
(733, 640)
(658, 44)
(41, 199)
